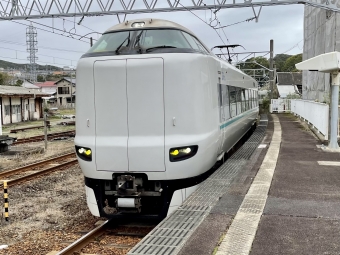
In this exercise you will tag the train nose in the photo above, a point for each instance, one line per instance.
(129, 115)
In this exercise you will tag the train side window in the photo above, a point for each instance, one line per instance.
(254, 99)
(243, 100)
(232, 99)
(225, 98)
(238, 100)
(248, 99)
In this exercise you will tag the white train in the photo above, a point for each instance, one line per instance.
(156, 109)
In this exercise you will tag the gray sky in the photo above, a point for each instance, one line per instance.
(283, 24)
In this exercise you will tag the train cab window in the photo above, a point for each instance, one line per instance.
(191, 40)
(164, 37)
(201, 47)
(111, 41)
(144, 41)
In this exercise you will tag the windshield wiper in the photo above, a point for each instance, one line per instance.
(118, 48)
(159, 47)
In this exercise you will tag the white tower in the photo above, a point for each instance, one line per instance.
(32, 48)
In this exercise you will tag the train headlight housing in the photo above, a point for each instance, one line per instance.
(182, 153)
(138, 24)
(84, 153)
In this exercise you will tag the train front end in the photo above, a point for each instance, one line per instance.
(146, 118)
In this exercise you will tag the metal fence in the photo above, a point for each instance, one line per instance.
(316, 114)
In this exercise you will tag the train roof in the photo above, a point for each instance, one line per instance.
(148, 23)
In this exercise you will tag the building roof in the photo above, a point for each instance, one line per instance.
(289, 78)
(46, 84)
(20, 91)
(29, 85)
(70, 80)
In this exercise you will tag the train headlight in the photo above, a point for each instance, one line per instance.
(182, 153)
(84, 153)
(138, 24)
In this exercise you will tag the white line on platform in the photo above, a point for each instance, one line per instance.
(329, 163)
(261, 146)
(241, 233)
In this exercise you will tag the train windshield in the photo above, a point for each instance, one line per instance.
(147, 41)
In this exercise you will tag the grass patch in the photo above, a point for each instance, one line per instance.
(219, 243)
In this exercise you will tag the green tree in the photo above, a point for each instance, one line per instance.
(280, 60)
(19, 82)
(40, 78)
(289, 65)
(4, 79)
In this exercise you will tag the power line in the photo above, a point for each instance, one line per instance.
(247, 20)
(41, 47)
(38, 54)
(48, 31)
(50, 63)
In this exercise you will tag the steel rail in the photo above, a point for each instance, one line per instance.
(41, 172)
(24, 168)
(42, 137)
(84, 240)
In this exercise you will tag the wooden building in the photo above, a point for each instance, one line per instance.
(20, 104)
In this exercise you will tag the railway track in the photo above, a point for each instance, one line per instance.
(42, 137)
(110, 231)
(18, 175)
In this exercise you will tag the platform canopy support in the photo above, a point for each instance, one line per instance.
(328, 63)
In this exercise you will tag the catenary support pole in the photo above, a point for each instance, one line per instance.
(271, 63)
(333, 142)
(45, 129)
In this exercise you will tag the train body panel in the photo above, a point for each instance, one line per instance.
(149, 125)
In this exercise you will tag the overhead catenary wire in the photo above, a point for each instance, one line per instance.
(42, 47)
(49, 31)
(38, 54)
(39, 61)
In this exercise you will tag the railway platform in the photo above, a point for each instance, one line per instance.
(278, 194)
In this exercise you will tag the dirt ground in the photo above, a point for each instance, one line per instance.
(50, 212)
(46, 214)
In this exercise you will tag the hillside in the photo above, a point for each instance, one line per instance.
(5, 64)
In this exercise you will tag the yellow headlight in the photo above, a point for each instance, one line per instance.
(88, 152)
(174, 153)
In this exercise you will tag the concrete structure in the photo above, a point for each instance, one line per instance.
(320, 37)
(20, 104)
(288, 83)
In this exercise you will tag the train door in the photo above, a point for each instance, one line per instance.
(145, 93)
(111, 115)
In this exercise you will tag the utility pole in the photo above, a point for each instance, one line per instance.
(271, 63)
(45, 129)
